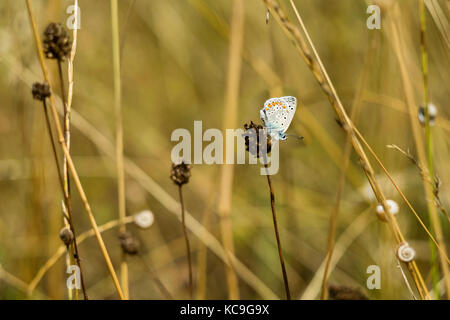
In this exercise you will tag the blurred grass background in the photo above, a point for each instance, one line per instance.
(174, 62)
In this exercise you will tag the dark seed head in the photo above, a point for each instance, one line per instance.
(339, 292)
(40, 91)
(180, 173)
(257, 141)
(66, 236)
(129, 243)
(57, 42)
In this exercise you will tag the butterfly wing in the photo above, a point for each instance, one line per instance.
(277, 115)
(288, 112)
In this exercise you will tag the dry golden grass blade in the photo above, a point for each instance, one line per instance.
(315, 65)
(343, 242)
(230, 115)
(396, 42)
(119, 139)
(62, 248)
(134, 171)
(67, 154)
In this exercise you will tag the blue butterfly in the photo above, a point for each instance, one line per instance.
(277, 115)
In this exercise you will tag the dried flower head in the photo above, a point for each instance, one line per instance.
(129, 243)
(339, 292)
(180, 173)
(144, 219)
(40, 91)
(432, 113)
(66, 236)
(57, 42)
(257, 141)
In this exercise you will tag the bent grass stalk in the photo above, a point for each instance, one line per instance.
(67, 154)
(396, 41)
(105, 147)
(342, 178)
(226, 174)
(119, 138)
(428, 139)
(68, 215)
(314, 63)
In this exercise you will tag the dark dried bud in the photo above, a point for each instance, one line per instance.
(129, 243)
(180, 173)
(257, 141)
(57, 43)
(337, 292)
(66, 236)
(40, 91)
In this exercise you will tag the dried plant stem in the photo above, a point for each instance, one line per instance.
(226, 174)
(66, 176)
(186, 239)
(67, 154)
(428, 139)
(60, 251)
(202, 256)
(342, 178)
(396, 41)
(277, 234)
(156, 279)
(119, 138)
(68, 217)
(315, 65)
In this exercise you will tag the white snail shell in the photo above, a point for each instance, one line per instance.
(393, 208)
(405, 252)
(144, 219)
(432, 112)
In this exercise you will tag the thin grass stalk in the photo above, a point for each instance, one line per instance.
(165, 292)
(226, 175)
(68, 217)
(428, 138)
(67, 154)
(105, 147)
(186, 239)
(314, 63)
(418, 140)
(67, 208)
(342, 178)
(60, 251)
(277, 233)
(202, 256)
(119, 138)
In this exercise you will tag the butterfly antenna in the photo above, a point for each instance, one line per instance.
(299, 138)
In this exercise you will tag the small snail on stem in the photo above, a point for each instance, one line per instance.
(405, 252)
(393, 208)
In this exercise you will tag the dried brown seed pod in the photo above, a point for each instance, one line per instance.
(255, 135)
(180, 173)
(129, 243)
(56, 42)
(40, 91)
(66, 236)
